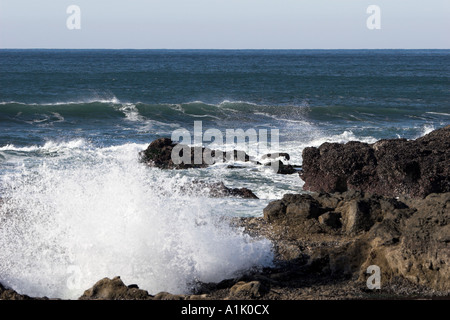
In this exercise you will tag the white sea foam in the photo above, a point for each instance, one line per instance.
(65, 226)
(426, 129)
(50, 146)
(131, 112)
(439, 113)
(112, 100)
(344, 137)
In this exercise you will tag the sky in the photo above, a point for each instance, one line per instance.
(225, 24)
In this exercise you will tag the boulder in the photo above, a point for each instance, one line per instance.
(391, 167)
(114, 289)
(161, 151)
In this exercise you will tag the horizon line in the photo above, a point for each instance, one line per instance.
(235, 49)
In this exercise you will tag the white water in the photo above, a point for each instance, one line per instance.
(69, 222)
(83, 213)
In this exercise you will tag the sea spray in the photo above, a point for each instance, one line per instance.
(100, 214)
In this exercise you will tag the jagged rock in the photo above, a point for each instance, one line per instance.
(218, 189)
(295, 214)
(391, 167)
(159, 154)
(114, 289)
(9, 294)
(242, 193)
(422, 251)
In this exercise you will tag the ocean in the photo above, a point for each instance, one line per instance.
(78, 205)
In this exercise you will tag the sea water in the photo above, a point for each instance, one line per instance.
(77, 205)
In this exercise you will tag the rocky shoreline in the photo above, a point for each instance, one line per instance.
(385, 204)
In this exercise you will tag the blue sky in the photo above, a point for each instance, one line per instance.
(225, 24)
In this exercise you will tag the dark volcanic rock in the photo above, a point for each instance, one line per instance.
(161, 151)
(388, 167)
(281, 168)
(218, 189)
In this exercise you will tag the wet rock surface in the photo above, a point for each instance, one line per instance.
(391, 167)
(162, 152)
(218, 190)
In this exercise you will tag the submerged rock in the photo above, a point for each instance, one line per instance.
(391, 167)
(218, 189)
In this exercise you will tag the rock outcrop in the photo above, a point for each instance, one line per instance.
(160, 153)
(323, 245)
(114, 289)
(163, 153)
(389, 207)
(408, 238)
(392, 167)
(10, 294)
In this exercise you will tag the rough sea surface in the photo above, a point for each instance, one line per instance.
(76, 205)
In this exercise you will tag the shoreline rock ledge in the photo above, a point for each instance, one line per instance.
(385, 204)
(390, 167)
